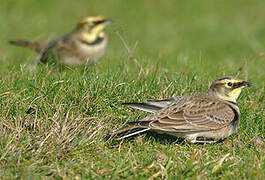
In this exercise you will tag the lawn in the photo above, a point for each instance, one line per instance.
(180, 46)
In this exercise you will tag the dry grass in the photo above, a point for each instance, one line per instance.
(179, 52)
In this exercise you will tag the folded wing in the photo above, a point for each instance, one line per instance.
(153, 106)
(194, 117)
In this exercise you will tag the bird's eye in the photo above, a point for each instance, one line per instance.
(229, 84)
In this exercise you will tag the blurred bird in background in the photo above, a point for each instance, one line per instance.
(86, 44)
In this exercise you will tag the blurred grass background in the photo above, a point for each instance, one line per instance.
(181, 45)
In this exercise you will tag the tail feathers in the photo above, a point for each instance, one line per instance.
(31, 45)
(133, 133)
(132, 128)
(144, 107)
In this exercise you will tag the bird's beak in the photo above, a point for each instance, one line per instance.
(245, 84)
(107, 22)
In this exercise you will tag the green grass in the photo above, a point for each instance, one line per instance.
(182, 47)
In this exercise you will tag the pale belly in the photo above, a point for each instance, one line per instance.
(92, 53)
(214, 134)
(71, 61)
(210, 135)
(84, 54)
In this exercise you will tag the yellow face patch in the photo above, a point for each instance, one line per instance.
(234, 94)
(228, 88)
(92, 28)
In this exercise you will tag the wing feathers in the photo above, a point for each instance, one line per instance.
(182, 117)
(153, 106)
(144, 107)
(164, 102)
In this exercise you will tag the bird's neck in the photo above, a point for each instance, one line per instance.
(223, 95)
(91, 38)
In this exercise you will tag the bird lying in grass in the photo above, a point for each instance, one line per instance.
(202, 118)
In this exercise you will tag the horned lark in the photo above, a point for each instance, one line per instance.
(85, 44)
(202, 118)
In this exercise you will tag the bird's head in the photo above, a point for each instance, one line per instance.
(228, 88)
(92, 27)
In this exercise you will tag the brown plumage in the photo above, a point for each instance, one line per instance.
(84, 45)
(212, 116)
